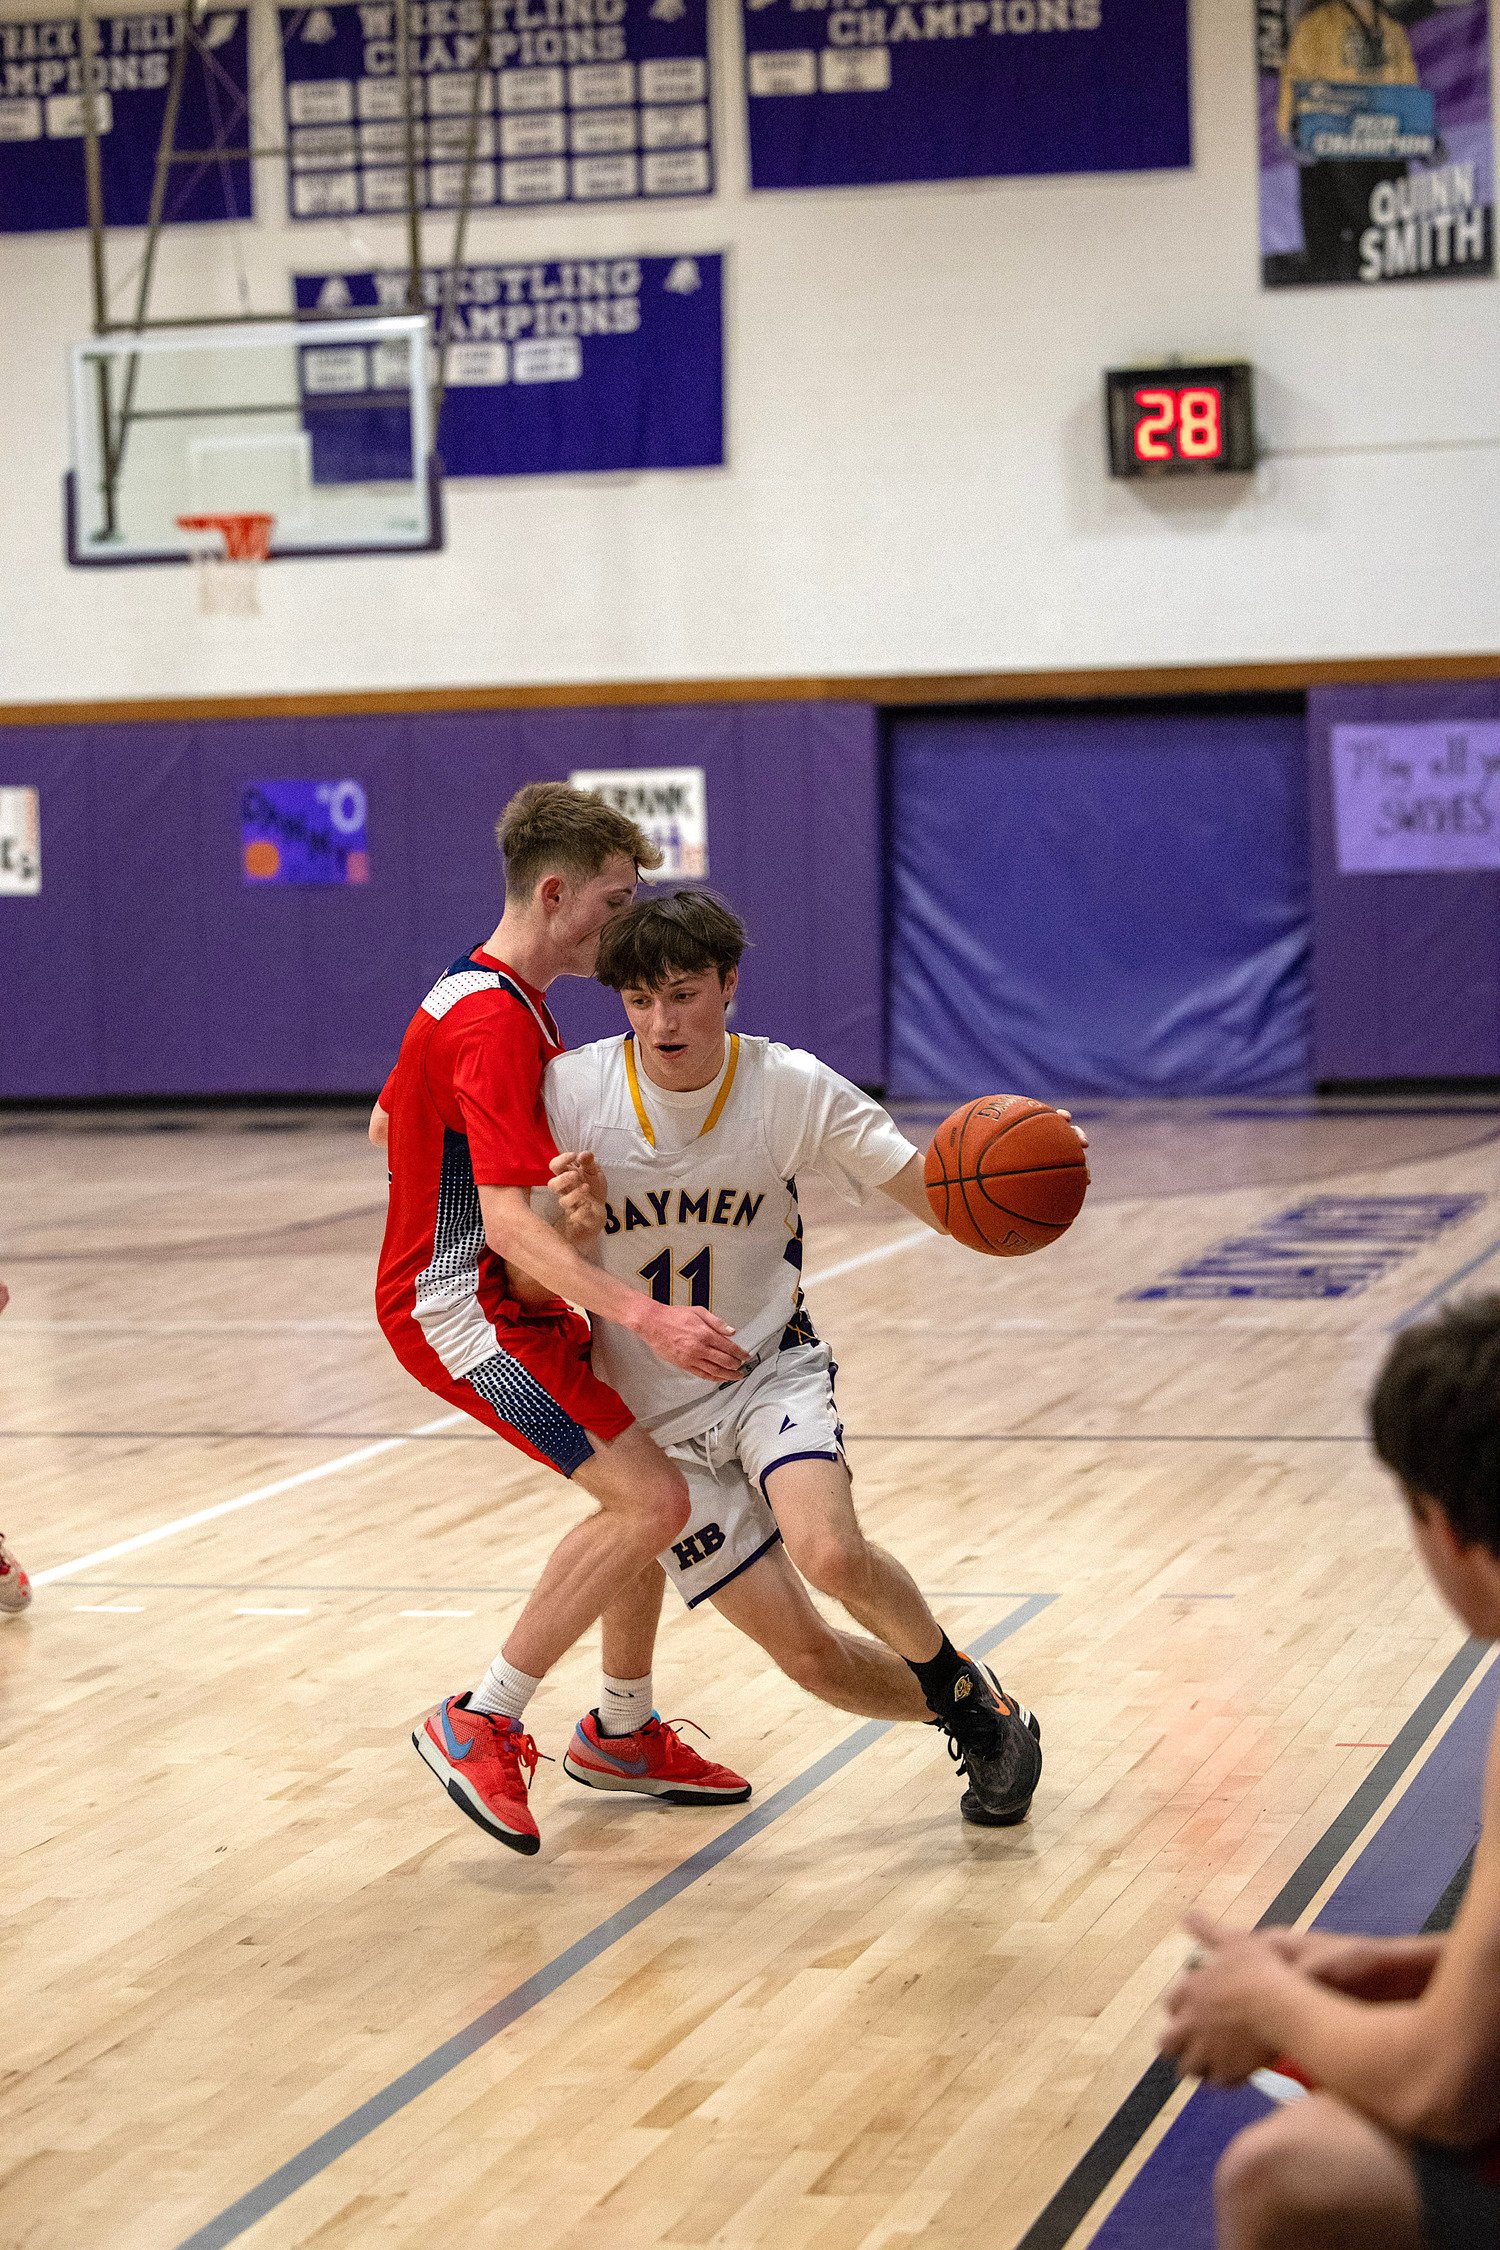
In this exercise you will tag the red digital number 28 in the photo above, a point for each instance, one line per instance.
(1195, 413)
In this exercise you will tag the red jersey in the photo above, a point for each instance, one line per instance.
(465, 1105)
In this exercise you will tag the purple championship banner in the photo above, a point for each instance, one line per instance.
(303, 832)
(577, 363)
(880, 90)
(42, 119)
(1376, 155)
(580, 101)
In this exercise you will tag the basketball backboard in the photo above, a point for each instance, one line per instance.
(326, 426)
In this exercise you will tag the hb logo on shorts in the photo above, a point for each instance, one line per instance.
(698, 1546)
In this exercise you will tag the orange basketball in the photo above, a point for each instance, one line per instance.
(1006, 1175)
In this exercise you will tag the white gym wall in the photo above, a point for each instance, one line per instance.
(915, 477)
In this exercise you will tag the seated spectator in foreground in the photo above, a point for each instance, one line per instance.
(1400, 2143)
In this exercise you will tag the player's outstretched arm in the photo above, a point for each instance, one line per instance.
(909, 1189)
(685, 1336)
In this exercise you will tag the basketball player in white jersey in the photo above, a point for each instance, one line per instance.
(682, 1146)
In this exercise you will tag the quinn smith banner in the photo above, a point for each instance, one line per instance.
(1376, 157)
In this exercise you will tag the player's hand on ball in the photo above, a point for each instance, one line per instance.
(689, 1337)
(582, 1192)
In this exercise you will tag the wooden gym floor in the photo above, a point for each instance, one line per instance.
(236, 1909)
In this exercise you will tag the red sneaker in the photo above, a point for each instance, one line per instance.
(478, 1759)
(652, 1762)
(15, 1586)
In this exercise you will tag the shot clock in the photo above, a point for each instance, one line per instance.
(1179, 421)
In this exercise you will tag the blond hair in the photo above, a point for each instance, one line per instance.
(550, 829)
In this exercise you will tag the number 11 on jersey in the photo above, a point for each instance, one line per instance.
(696, 1272)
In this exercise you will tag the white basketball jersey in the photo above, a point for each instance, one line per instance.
(703, 1197)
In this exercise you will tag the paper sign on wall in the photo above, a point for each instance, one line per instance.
(20, 843)
(303, 832)
(670, 803)
(42, 118)
(1410, 799)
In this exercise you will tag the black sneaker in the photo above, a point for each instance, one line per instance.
(997, 1742)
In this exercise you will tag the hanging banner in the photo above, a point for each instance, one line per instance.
(583, 363)
(1376, 158)
(592, 101)
(42, 119)
(882, 90)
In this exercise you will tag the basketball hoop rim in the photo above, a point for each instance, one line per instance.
(246, 533)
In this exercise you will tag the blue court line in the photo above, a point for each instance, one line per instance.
(1388, 1892)
(242, 2214)
(1445, 1288)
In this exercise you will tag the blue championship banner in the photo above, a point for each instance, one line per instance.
(42, 119)
(580, 101)
(853, 94)
(583, 363)
(1376, 155)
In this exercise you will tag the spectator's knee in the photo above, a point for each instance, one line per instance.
(1261, 2179)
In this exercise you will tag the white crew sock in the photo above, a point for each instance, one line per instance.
(504, 1691)
(624, 1705)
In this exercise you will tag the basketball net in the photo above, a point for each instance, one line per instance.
(228, 575)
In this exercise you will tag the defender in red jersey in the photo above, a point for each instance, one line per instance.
(473, 1287)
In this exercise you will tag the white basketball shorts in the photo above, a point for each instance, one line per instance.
(785, 1412)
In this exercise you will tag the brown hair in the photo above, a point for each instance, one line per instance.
(1435, 1415)
(550, 829)
(683, 934)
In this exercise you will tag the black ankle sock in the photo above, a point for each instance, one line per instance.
(937, 1676)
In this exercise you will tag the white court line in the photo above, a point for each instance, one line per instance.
(194, 1327)
(108, 1609)
(273, 1613)
(872, 1257)
(386, 1445)
(243, 1500)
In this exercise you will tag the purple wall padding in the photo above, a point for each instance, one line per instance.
(147, 966)
(1406, 968)
(1087, 903)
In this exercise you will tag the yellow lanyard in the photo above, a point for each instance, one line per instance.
(720, 1098)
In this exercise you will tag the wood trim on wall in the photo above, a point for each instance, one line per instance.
(897, 689)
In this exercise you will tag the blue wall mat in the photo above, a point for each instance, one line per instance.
(149, 966)
(1099, 905)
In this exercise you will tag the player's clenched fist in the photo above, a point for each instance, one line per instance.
(582, 1192)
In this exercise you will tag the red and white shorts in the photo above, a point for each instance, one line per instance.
(537, 1390)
